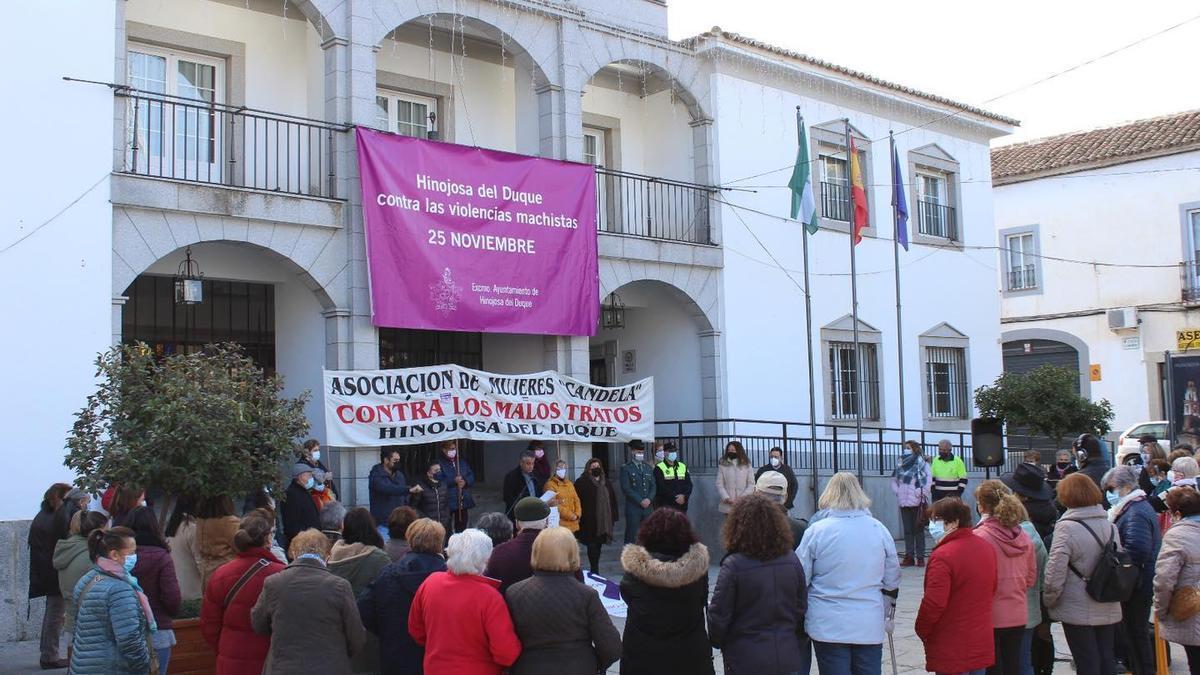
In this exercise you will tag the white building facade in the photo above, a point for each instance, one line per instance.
(1098, 232)
(227, 131)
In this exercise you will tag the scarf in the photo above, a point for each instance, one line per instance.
(1116, 511)
(604, 521)
(112, 569)
(912, 470)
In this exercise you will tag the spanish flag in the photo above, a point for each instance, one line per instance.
(858, 194)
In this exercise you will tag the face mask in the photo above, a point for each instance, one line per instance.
(1112, 497)
(308, 485)
(937, 529)
(319, 488)
(561, 473)
(142, 503)
(672, 456)
(659, 455)
(1062, 466)
(130, 561)
(452, 454)
(1171, 476)
(596, 471)
(945, 454)
(731, 455)
(539, 453)
(639, 456)
(316, 455)
(775, 461)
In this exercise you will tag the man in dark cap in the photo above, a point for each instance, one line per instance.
(510, 561)
(639, 488)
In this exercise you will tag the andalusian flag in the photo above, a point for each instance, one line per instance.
(804, 206)
(858, 194)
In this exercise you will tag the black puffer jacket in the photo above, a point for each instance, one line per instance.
(432, 501)
(384, 608)
(664, 628)
(1043, 514)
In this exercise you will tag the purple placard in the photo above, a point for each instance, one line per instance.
(465, 239)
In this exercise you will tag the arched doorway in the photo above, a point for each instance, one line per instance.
(1024, 351)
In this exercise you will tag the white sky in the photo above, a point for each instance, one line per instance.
(971, 51)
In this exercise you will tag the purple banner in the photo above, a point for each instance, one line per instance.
(464, 239)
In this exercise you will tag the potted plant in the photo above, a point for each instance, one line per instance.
(210, 425)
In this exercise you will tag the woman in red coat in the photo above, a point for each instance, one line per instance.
(459, 616)
(225, 613)
(955, 618)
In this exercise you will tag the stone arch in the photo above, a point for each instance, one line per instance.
(696, 288)
(323, 15)
(684, 83)
(142, 237)
(1080, 347)
(520, 31)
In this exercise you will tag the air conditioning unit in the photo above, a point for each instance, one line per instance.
(1125, 318)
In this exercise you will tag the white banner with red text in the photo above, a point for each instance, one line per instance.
(409, 406)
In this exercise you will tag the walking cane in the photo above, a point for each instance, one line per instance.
(1161, 667)
(892, 647)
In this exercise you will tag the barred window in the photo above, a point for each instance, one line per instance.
(946, 382)
(848, 379)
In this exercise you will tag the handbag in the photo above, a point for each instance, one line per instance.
(923, 513)
(1115, 576)
(149, 645)
(1185, 603)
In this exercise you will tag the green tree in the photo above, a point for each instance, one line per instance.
(207, 424)
(1046, 401)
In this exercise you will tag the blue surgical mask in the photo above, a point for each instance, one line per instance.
(937, 529)
(130, 561)
(319, 488)
(316, 455)
(672, 456)
(1112, 497)
(310, 483)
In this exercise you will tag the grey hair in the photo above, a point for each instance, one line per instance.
(1120, 477)
(534, 524)
(468, 552)
(332, 515)
(496, 526)
(1185, 467)
(947, 442)
(843, 493)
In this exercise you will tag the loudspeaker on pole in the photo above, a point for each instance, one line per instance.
(987, 441)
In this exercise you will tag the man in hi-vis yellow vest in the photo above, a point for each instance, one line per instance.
(673, 482)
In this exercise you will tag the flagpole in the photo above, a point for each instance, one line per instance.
(858, 384)
(896, 257)
(812, 388)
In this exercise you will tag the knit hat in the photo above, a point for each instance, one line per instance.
(773, 485)
(300, 468)
(530, 510)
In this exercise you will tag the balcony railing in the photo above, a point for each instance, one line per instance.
(655, 208)
(835, 199)
(1189, 278)
(191, 140)
(1022, 278)
(936, 220)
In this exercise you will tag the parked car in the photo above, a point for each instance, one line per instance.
(1128, 441)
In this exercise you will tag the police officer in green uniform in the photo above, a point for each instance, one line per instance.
(674, 482)
(639, 487)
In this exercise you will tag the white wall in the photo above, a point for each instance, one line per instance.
(56, 280)
(665, 338)
(278, 59)
(654, 136)
(299, 326)
(1128, 214)
(485, 112)
(764, 328)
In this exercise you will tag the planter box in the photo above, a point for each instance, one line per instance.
(191, 654)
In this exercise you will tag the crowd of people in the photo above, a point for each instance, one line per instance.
(410, 586)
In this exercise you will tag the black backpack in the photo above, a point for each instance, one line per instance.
(1115, 576)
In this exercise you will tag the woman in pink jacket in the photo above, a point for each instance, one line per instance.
(1016, 570)
(911, 481)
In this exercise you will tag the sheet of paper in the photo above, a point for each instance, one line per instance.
(550, 494)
